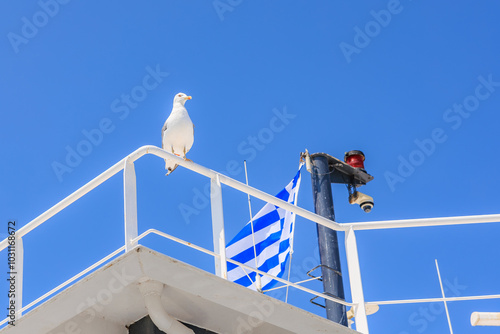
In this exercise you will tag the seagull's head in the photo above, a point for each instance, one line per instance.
(181, 98)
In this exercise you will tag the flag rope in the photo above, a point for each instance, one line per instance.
(292, 237)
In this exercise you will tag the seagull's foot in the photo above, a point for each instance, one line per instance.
(186, 159)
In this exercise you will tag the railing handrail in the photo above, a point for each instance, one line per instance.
(150, 149)
(422, 222)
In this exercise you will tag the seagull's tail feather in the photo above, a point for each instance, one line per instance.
(170, 166)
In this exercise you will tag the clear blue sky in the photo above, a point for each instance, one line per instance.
(415, 85)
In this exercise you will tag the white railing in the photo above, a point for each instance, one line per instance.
(132, 238)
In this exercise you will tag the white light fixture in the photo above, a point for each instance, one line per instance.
(485, 319)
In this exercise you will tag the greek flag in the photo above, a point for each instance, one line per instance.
(273, 233)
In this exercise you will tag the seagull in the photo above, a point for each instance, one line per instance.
(177, 132)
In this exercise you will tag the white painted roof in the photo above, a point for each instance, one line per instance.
(108, 300)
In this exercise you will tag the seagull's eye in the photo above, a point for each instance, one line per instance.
(179, 95)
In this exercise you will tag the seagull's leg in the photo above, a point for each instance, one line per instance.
(185, 156)
(174, 152)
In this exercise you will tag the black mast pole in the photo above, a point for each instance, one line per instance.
(327, 239)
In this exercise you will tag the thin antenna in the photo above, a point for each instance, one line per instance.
(442, 292)
(257, 275)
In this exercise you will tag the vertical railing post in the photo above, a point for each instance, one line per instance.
(218, 227)
(130, 204)
(19, 269)
(355, 279)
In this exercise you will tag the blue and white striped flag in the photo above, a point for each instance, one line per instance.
(273, 227)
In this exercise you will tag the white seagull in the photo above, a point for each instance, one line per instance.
(177, 132)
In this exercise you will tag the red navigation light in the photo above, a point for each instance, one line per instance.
(355, 159)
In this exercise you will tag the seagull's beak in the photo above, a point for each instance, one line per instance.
(188, 97)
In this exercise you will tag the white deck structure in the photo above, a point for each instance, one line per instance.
(109, 299)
